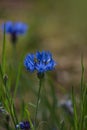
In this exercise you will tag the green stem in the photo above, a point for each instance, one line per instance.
(40, 84)
(81, 96)
(2, 66)
(9, 103)
(3, 52)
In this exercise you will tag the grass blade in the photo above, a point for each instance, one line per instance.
(75, 111)
(3, 51)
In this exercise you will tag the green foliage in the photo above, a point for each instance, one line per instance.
(46, 114)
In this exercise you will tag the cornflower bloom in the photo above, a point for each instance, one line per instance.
(14, 29)
(41, 62)
(24, 125)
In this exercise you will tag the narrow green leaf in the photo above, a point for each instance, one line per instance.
(28, 115)
(3, 51)
(75, 111)
(18, 76)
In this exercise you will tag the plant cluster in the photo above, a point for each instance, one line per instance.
(55, 115)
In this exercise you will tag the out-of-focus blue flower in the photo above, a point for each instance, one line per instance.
(25, 125)
(41, 61)
(14, 29)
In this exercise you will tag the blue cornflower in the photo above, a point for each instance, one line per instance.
(41, 62)
(44, 61)
(25, 125)
(15, 29)
(29, 62)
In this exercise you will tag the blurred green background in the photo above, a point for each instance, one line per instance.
(59, 26)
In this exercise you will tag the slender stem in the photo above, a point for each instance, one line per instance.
(9, 103)
(81, 95)
(2, 66)
(3, 51)
(40, 84)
